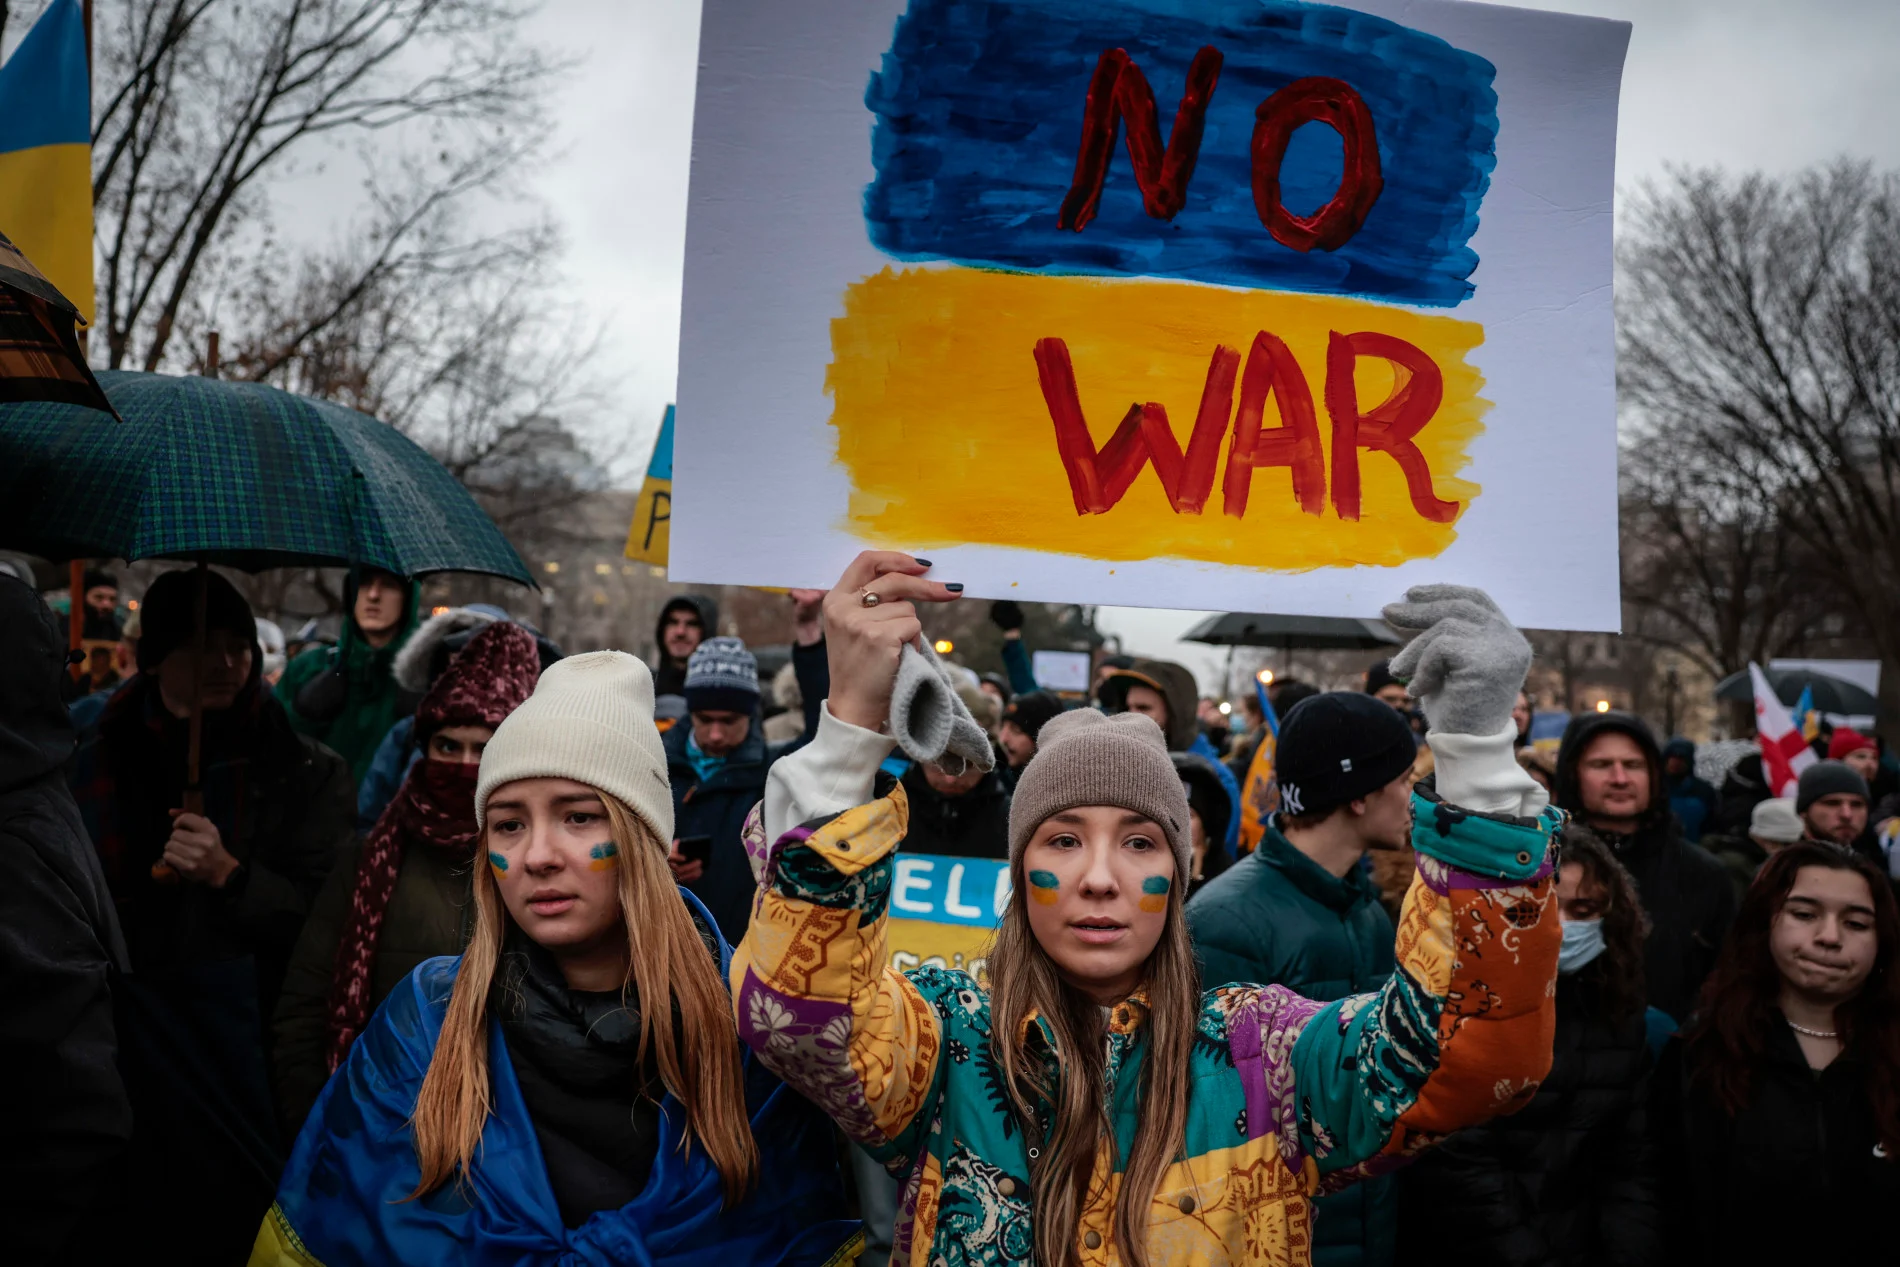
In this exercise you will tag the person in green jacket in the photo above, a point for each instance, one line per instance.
(344, 696)
(1302, 912)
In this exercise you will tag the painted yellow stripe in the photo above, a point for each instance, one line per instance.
(46, 209)
(943, 428)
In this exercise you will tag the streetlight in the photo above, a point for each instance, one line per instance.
(1226, 709)
(945, 646)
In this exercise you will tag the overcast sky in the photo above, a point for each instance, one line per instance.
(1774, 84)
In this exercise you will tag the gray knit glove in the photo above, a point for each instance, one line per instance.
(1467, 663)
(929, 719)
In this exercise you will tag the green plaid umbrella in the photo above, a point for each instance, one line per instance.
(237, 474)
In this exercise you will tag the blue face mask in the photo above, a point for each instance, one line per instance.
(1583, 941)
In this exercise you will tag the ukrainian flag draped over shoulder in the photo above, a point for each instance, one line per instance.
(46, 151)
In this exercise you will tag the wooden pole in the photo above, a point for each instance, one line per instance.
(76, 615)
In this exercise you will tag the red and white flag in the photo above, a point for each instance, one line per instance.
(1784, 750)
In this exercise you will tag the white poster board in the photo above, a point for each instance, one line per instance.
(1340, 324)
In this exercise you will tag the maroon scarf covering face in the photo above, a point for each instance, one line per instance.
(435, 807)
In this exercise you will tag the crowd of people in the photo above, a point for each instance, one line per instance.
(434, 944)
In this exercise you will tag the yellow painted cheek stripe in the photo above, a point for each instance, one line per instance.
(946, 434)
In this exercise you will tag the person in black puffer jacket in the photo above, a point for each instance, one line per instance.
(1570, 1178)
(1776, 1112)
(1610, 777)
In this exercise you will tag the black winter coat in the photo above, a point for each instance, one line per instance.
(69, 1119)
(974, 825)
(1691, 901)
(1570, 1179)
(1799, 1176)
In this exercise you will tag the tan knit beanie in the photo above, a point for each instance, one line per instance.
(1088, 758)
(590, 719)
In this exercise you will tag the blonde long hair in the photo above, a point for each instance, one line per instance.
(697, 1050)
(1025, 980)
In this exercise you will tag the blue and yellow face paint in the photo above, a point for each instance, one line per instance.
(1043, 886)
(603, 857)
(499, 863)
(1154, 893)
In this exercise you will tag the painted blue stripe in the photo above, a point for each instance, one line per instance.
(44, 97)
(979, 114)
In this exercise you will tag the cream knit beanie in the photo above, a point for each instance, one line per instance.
(590, 719)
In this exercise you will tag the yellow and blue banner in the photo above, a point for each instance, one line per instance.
(648, 535)
(46, 151)
(944, 912)
(1232, 268)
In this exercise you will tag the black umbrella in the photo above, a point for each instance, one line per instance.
(1294, 633)
(1831, 694)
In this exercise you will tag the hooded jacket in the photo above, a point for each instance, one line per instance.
(669, 678)
(1692, 800)
(1178, 688)
(69, 1120)
(1686, 890)
(345, 696)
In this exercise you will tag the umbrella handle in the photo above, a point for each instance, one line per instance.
(194, 798)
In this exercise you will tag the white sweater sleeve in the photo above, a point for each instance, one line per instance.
(1480, 772)
(832, 773)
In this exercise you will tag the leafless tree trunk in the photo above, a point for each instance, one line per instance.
(200, 105)
(1759, 368)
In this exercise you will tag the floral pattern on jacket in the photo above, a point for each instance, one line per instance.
(1289, 1098)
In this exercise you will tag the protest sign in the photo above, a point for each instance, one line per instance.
(944, 912)
(648, 535)
(1245, 304)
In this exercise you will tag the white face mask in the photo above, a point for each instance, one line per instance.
(1583, 942)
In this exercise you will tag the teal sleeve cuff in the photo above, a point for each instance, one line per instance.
(1495, 846)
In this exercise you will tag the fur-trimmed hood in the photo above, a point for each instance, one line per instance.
(415, 665)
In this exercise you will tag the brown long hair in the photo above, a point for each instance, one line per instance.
(685, 1019)
(1024, 980)
(1618, 971)
(1739, 999)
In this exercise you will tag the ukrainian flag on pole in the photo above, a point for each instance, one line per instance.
(46, 151)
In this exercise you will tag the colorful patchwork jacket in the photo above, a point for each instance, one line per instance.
(1290, 1098)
